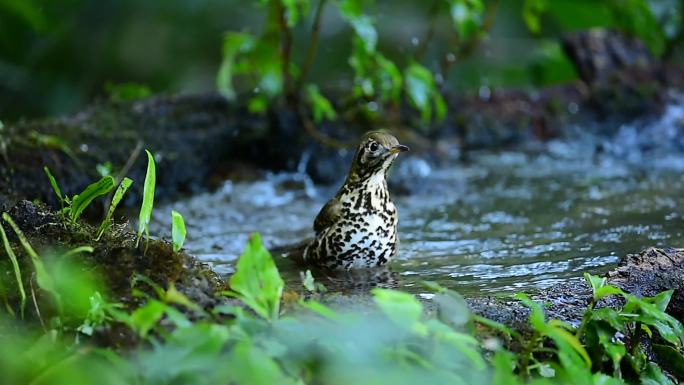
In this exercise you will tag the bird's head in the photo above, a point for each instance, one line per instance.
(375, 154)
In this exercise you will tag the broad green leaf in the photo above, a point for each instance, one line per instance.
(423, 94)
(148, 198)
(251, 365)
(467, 16)
(319, 309)
(146, 317)
(452, 308)
(83, 200)
(118, 195)
(177, 230)
(321, 107)
(352, 11)
(532, 13)
(294, 9)
(256, 280)
(654, 376)
(16, 268)
(44, 279)
(402, 308)
(671, 359)
(495, 325)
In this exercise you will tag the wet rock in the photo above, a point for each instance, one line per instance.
(116, 259)
(625, 79)
(644, 274)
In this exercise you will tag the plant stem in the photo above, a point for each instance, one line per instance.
(585, 319)
(285, 51)
(313, 45)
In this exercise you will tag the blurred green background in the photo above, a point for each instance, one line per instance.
(58, 56)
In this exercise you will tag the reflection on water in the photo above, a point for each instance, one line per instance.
(503, 221)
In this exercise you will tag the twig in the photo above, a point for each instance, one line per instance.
(285, 50)
(313, 45)
(311, 129)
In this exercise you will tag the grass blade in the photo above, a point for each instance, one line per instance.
(44, 279)
(83, 200)
(148, 198)
(177, 230)
(55, 187)
(118, 195)
(17, 270)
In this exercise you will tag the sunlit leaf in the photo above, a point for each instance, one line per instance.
(233, 44)
(402, 308)
(177, 230)
(321, 107)
(94, 190)
(146, 317)
(118, 195)
(256, 280)
(148, 198)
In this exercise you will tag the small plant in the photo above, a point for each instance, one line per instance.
(256, 281)
(17, 274)
(148, 200)
(74, 207)
(177, 230)
(118, 195)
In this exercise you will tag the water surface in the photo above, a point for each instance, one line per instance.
(502, 221)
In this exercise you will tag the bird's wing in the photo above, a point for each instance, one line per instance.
(328, 215)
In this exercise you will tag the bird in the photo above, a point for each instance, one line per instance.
(357, 228)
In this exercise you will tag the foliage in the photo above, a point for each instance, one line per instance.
(74, 207)
(256, 281)
(177, 230)
(394, 342)
(118, 195)
(125, 92)
(148, 198)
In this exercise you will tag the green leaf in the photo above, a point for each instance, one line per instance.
(352, 11)
(148, 198)
(234, 43)
(16, 268)
(55, 186)
(118, 195)
(177, 230)
(671, 359)
(452, 308)
(422, 92)
(532, 13)
(124, 92)
(83, 200)
(504, 366)
(321, 107)
(467, 16)
(654, 376)
(251, 365)
(320, 309)
(256, 280)
(402, 308)
(44, 279)
(146, 317)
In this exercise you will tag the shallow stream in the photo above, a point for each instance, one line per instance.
(502, 221)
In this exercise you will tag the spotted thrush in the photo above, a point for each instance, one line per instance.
(357, 228)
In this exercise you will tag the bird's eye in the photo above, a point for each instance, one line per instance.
(373, 146)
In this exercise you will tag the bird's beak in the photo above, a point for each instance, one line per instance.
(398, 148)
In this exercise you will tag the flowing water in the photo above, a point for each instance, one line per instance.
(502, 221)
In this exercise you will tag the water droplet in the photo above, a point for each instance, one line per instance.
(415, 41)
(83, 147)
(573, 108)
(372, 106)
